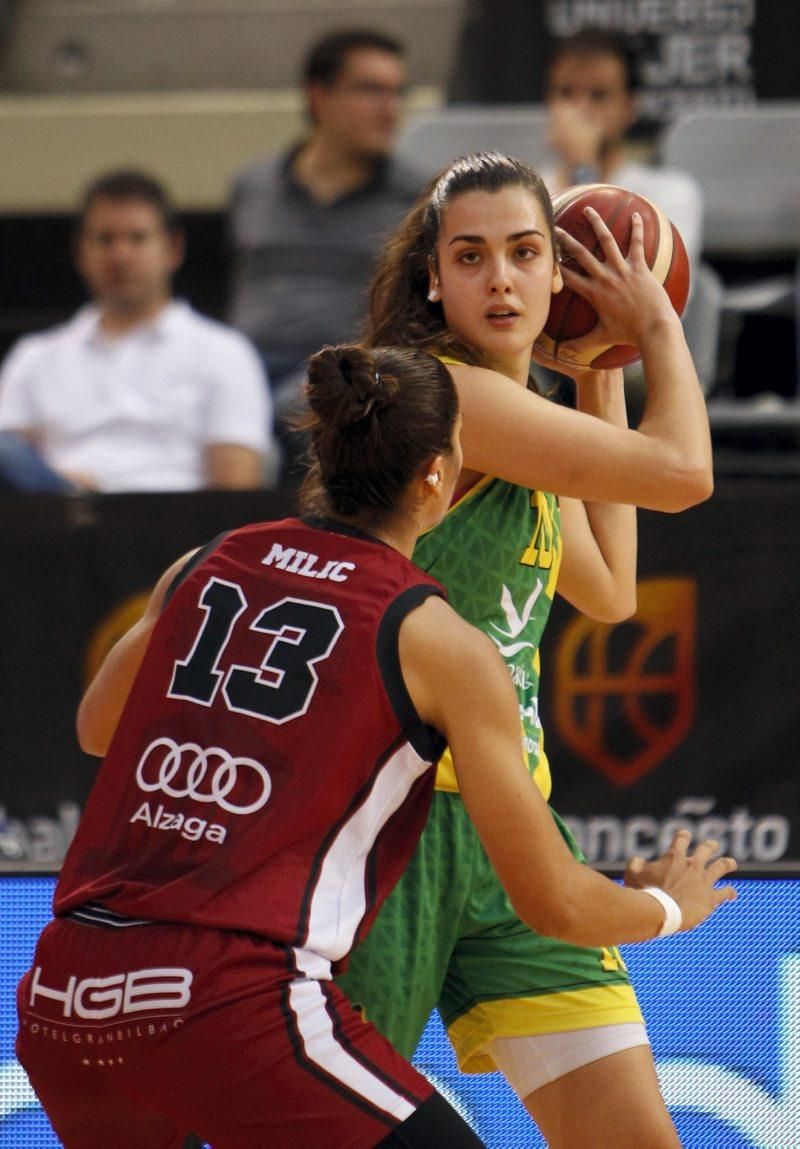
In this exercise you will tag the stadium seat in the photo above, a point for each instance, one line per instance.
(747, 162)
(432, 138)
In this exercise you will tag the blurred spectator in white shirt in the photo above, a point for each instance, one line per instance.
(137, 392)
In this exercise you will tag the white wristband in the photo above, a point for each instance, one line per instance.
(673, 917)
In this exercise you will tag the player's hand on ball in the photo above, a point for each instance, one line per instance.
(689, 877)
(622, 289)
(618, 248)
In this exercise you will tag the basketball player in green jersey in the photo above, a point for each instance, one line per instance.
(469, 275)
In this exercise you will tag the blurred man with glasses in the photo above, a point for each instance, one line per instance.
(306, 225)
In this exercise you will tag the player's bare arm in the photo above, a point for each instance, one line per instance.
(526, 439)
(460, 684)
(598, 563)
(102, 704)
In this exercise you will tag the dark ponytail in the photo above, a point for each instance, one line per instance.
(377, 416)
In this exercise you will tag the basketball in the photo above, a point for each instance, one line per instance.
(571, 317)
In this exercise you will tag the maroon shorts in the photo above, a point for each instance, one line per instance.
(134, 1036)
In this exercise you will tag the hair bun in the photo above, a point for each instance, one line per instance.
(377, 417)
(345, 385)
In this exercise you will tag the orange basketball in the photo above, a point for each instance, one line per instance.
(571, 317)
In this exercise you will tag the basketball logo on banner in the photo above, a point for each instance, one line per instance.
(625, 695)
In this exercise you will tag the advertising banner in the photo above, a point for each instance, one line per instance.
(685, 714)
(722, 1006)
(693, 53)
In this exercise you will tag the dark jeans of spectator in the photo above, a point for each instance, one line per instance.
(22, 468)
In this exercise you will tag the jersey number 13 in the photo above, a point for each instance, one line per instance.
(299, 634)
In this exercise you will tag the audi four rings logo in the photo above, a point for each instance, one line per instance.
(212, 775)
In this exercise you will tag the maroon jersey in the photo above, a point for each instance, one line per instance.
(269, 772)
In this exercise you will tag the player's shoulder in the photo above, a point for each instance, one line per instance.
(437, 633)
(204, 325)
(483, 386)
(462, 371)
(456, 667)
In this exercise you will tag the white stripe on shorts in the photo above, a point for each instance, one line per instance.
(320, 1045)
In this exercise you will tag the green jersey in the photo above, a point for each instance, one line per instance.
(497, 552)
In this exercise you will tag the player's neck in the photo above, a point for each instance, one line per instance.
(514, 367)
(402, 540)
(400, 536)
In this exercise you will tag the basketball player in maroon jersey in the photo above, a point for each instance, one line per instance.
(268, 731)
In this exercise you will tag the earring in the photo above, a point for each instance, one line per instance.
(432, 480)
(434, 295)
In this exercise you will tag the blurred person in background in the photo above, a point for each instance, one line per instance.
(591, 95)
(306, 224)
(138, 391)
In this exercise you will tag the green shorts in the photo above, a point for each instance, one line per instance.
(448, 937)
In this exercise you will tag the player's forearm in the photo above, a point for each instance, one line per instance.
(598, 567)
(102, 704)
(592, 910)
(675, 416)
(610, 595)
(602, 393)
(558, 896)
